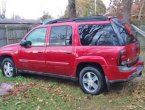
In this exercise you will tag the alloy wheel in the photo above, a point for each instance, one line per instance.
(8, 69)
(90, 82)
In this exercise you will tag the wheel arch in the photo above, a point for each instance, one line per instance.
(3, 56)
(81, 65)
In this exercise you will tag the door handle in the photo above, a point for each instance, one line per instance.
(68, 53)
(37, 51)
(40, 51)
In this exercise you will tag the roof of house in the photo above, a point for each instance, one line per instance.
(18, 21)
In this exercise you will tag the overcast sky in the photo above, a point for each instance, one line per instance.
(33, 9)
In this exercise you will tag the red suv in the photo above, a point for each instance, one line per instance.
(96, 51)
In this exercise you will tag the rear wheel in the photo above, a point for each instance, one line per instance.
(91, 80)
(8, 67)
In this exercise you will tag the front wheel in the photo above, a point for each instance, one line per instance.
(91, 80)
(8, 68)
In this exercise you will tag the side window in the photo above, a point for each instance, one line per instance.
(37, 37)
(99, 35)
(61, 36)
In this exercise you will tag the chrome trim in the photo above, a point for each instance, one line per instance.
(26, 61)
(61, 63)
(23, 60)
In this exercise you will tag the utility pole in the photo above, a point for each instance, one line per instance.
(95, 6)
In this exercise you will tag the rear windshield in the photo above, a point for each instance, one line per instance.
(123, 34)
(98, 35)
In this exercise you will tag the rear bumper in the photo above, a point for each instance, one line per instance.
(125, 73)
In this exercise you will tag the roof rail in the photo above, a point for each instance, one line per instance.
(58, 20)
(81, 19)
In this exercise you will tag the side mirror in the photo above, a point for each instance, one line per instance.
(25, 43)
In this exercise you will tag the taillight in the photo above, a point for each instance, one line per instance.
(122, 60)
(138, 48)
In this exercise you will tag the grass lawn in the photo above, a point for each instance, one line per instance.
(43, 93)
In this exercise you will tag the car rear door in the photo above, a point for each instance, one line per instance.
(32, 58)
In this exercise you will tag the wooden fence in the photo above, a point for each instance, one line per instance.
(12, 33)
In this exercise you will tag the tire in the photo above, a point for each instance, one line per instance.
(8, 68)
(91, 80)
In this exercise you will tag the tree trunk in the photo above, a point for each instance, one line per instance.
(141, 9)
(71, 9)
(127, 4)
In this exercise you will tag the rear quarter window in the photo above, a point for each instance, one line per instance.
(124, 32)
(98, 35)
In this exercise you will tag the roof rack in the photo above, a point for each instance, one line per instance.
(82, 19)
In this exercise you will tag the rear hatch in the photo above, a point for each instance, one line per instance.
(133, 51)
(129, 42)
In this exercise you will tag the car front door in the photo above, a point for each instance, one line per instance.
(59, 52)
(32, 58)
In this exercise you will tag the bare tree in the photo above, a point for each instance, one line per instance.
(2, 8)
(141, 9)
(71, 9)
(127, 4)
(45, 16)
(115, 8)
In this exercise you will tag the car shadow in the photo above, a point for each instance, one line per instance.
(115, 88)
(122, 88)
(50, 78)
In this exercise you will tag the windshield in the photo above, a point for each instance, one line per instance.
(123, 34)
